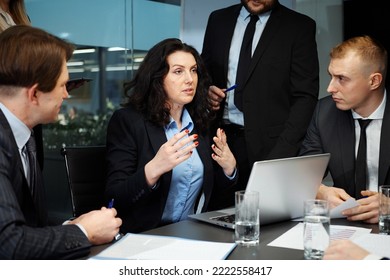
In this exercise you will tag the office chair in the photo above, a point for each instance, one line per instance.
(86, 173)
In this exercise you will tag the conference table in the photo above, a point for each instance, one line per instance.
(202, 231)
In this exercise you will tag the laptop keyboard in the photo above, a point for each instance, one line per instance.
(225, 218)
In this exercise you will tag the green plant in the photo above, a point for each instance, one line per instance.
(84, 129)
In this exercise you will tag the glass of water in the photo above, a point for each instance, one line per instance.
(316, 232)
(384, 209)
(247, 218)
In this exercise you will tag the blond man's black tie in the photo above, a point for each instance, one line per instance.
(361, 160)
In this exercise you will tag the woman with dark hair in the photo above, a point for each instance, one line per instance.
(160, 166)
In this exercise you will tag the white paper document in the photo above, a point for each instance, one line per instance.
(293, 238)
(156, 247)
(335, 213)
(377, 244)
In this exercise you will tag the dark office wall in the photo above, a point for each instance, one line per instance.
(370, 18)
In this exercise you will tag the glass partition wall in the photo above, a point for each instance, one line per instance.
(112, 38)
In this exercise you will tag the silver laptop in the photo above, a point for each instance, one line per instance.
(283, 185)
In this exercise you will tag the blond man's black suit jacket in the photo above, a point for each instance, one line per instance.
(333, 131)
(24, 233)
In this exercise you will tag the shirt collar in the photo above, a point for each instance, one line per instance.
(20, 131)
(185, 119)
(7, 18)
(244, 14)
(377, 114)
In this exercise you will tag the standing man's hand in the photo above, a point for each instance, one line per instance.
(216, 95)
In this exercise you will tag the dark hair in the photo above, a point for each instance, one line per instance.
(30, 55)
(146, 92)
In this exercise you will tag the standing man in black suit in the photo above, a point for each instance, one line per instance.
(33, 78)
(357, 69)
(279, 88)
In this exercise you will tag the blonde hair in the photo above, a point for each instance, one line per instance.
(369, 50)
(18, 13)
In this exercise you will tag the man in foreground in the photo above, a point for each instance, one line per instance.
(33, 77)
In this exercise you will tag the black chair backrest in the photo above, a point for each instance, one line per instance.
(86, 172)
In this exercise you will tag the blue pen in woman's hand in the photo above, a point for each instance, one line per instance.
(110, 205)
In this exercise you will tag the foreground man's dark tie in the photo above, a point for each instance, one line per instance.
(33, 180)
(35, 183)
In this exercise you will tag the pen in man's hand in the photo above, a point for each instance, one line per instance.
(110, 205)
(230, 88)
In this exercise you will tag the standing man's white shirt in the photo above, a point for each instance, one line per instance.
(231, 113)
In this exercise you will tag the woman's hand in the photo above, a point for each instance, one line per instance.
(171, 153)
(222, 154)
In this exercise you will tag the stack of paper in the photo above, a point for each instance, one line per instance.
(374, 243)
(155, 247)
(293, 238)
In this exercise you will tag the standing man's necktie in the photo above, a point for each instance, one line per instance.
(244, 60)
(361, 160)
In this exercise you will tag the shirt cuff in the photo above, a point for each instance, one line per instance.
(233, 175)
(79, 225)
(372, 257)
(68, 221)
(82, 229)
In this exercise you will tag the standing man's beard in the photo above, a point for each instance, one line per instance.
(267, 6)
